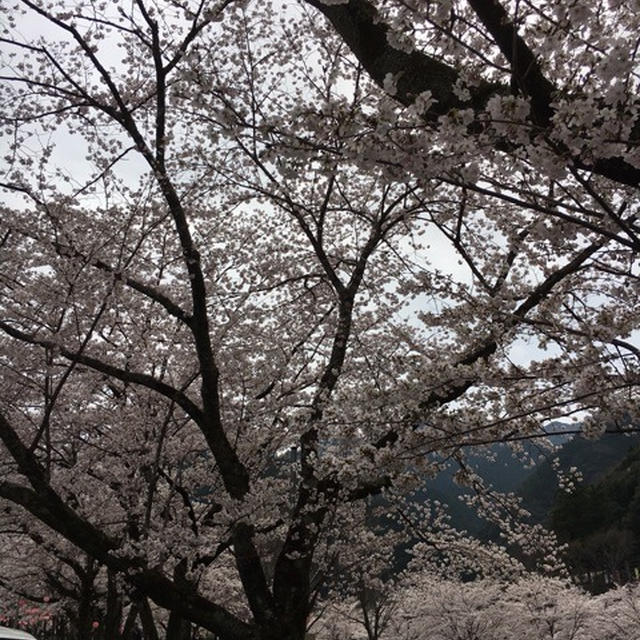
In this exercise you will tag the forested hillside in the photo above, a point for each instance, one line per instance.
(601, 524)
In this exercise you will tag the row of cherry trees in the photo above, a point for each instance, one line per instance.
(531, 608)
(261, 263)
(417, 606)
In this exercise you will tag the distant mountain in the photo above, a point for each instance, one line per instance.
(505, 472)
(538, 484)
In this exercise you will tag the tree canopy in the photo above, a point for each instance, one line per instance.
(263, 261)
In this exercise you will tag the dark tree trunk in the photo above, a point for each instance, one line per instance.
(111, 630)
(84, 626)
(146, 618)
(178, 628)
(130, 623)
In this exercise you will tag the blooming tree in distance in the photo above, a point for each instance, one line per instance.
(262, 262)
(532, 608)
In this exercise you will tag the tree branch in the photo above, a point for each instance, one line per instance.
(360, 26)
(142, 379)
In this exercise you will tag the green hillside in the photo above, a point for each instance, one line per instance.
(593, 458)
(601, 524)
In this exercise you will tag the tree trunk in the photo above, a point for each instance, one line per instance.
(283, 630)
(130, 623)
(178, 628)
(146, 618)
(113, 617)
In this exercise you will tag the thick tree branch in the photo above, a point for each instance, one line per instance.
(359, 25)
(524, 67)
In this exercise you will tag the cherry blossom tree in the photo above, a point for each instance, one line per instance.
(533, 607)
(619, 611)
(51, 588)
(259, 266)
